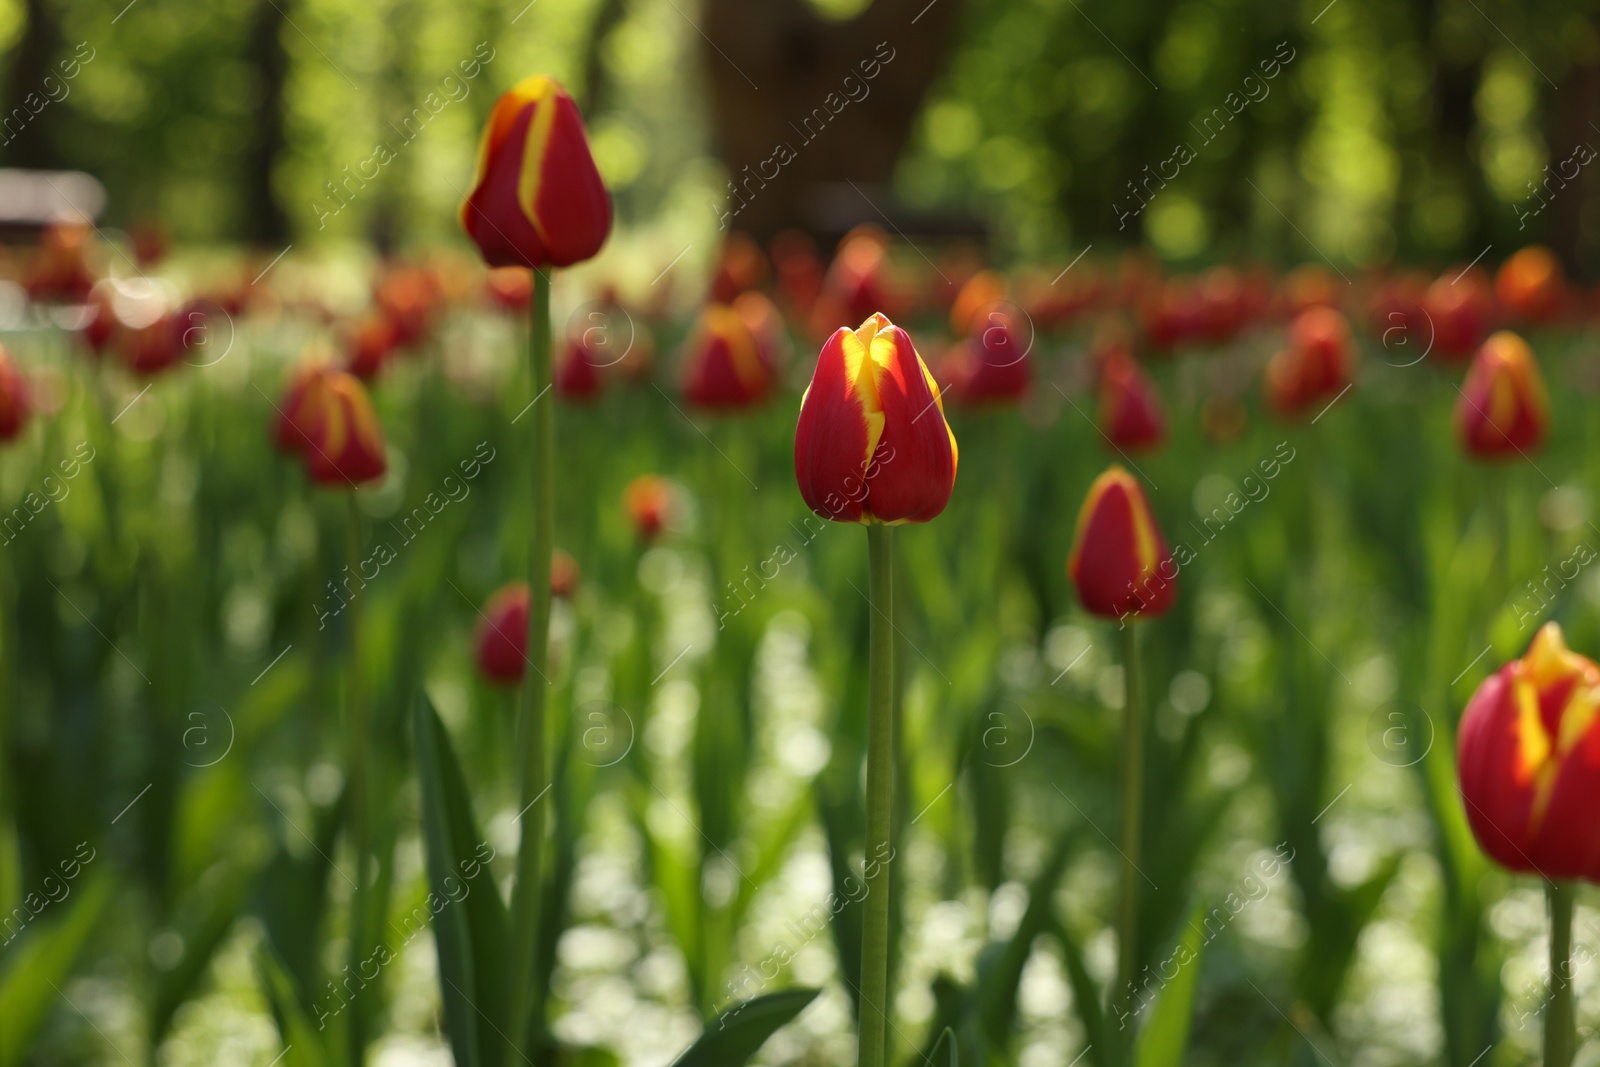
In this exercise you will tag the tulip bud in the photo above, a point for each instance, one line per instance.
(292, 430)
(647, 500)
(1530, 284)
(725, 367)
(577, 379)
(510, 288)
(1316, 365)
(152, 347)
(15, 404)
(537, 199)
(409, 298)
(1120, 563)
(741, 267)
(976, 299)
(564, 575)
(1526, 756)
(1130, 409)
(502, 643)
(370, 344)
(343, 439)
(1458, 306)
(993, 364)
(872, 444)
(1503, 409)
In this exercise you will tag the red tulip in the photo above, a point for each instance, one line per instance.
(510, 288)
(1528, 757)
(577, 379)
(978, 297)
(59, 269)
(327, 417)
(648, 500)
(409, 298)
(152, 347)
(728, 366)
(857, 284)
(1530, 284)
(564, 575)
(799, 271)
(1120, 563)
(502, 642)
(1130, 409)
(872, 443)
(992, 366)
(741, 267)
(370, 345)
(537, 199)
(1503, 409)
(1315, 366)
(1459, 306)
(15, 403)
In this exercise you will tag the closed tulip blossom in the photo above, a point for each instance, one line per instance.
(1315, 366)
(327, 417)
(1130, 408)
(578, 375)
(1120, 563)
(1528, 755)
(369, 345)
(502, 639)
(1503, 409)
(872, 444)
(992, 366)
(537, 199)
(15, 404)
(648, 502)
(726, 368)
(564, 575)
(1530, 285)
(1457, 309)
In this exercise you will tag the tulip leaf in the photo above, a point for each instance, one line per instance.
(38, 965)
(1085, 994)
(469, 921)
(739, 1032)
(1164, 1039)
(303, 1045)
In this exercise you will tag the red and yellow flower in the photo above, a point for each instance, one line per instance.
(1130, 409)
(1315, 365)
(730, 366)
(1528, 759)
(648, 502)
(537, 199)
(15, 403)
(1503, 409)
(327, 417)
(1120, 563)
(872, 444)
(1530, 285)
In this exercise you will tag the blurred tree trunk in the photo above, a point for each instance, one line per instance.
(772, 65)
(31, 62)
(1567, 117)
(266, 222)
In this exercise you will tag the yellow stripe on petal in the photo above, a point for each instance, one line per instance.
(533, 156)
(862, 366)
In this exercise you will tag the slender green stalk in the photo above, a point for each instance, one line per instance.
(1132, 823)
(1558, 1017)
(525, 898)
(873, 1011)
(356, 787)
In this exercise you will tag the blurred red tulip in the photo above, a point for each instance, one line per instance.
(149, 242)
(15, 403)
(991, 366)
(872, 444)
(741, 266)
(1531, 285)
(1221, 299)
(725, 368)
(1459, 306)
(153, 347)
(648, 500)
(799, 270)
(537, 199)
(1503, 409)
(369, 344)
(564, 575)
(1528, 758)
(1311, 285)
(1120, 563)
(409, 299)
(328, 418)
(1130, 409)
(577, 377)
(502, 642)
(858, 282)
(59, 270)
(1317, 363)
(510, 288)
(982, 294)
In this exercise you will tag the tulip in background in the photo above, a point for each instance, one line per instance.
(1530, 285)
(536, 201)
(1528, 760)
(15, 405)
(992, 365)
(1130, 408)
(1503, 410)
(648, 502)
(727, 367)
(1457, 308)
(872, 447)
(1316, 365)
(503, 634)
(1123, 570)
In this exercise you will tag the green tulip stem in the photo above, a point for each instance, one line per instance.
(1558, 1016)
(356, 785)
(1132, 816)
(872, 1012)
(525, 897)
